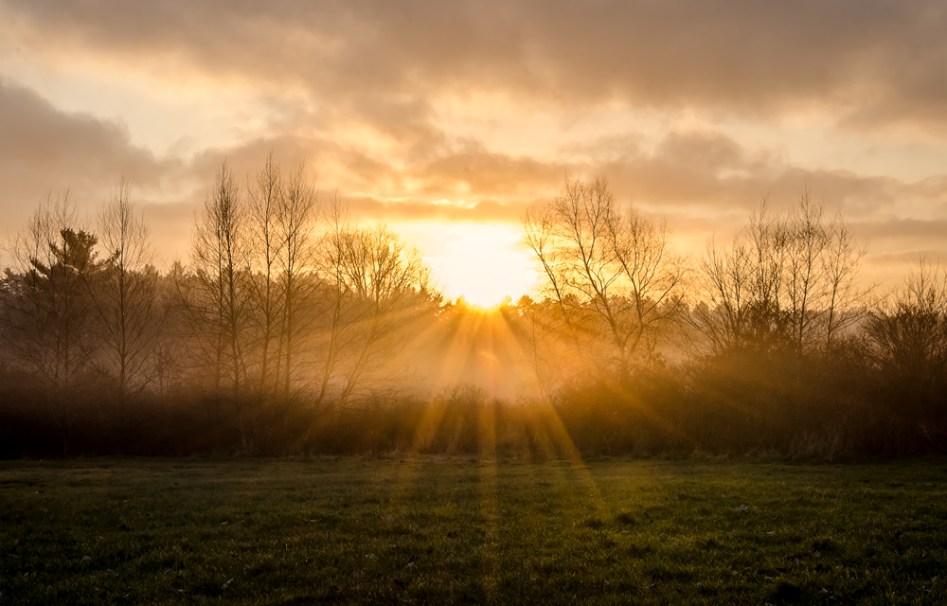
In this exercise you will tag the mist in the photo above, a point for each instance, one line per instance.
(292, 329)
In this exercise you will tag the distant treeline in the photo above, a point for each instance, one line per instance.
(291, 331)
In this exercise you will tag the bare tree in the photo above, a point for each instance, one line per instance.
(724, 314)
(266, 199)
(907, 338)
(125, 296)
(377, 280)
(745, 287)
(607, 267)
(808, 243)
(331, 268)
(294, 221)
(787, 281)
(217, 303)
(651, 278)
(844, 300)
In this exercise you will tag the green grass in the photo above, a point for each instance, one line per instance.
(441, 531)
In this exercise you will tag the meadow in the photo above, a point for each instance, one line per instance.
(443, 530)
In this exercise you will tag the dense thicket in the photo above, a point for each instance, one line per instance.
(292, 331)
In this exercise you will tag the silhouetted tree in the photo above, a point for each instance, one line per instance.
(786, 281)
(217, 293)
(126, 299)
(295, 218)
(607, 267)
(265, 196)
(907, 340)
(48, 319)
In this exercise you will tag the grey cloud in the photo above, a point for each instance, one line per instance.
(930, 231)
(45, 150)
(875, 61)
(472, 167)
(248, 157)
(611, 148)
(350, 169)
(38, 136)
(706, 150)
(709, 172)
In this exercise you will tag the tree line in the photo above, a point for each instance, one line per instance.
(292, 330)
(283, 299)
(769, 343)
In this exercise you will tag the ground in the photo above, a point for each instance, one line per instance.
(429, 530)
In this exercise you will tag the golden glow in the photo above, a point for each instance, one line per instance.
(482, 262)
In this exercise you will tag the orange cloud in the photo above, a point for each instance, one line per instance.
(358, 94)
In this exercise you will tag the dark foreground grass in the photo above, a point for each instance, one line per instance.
(445, 531)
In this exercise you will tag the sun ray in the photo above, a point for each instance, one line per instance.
(543, 421)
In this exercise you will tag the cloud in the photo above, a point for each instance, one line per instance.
(428, 109)
(687, 174)
(45, 150)
(471, 167)
(690, 176)
(707, 173)
(38, 137)
(869, 62)
(918, 231)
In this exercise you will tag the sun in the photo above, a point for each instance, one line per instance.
(483, 263)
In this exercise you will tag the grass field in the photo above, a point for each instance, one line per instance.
(446, 531)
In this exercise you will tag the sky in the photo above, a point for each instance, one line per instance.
(446, 120)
